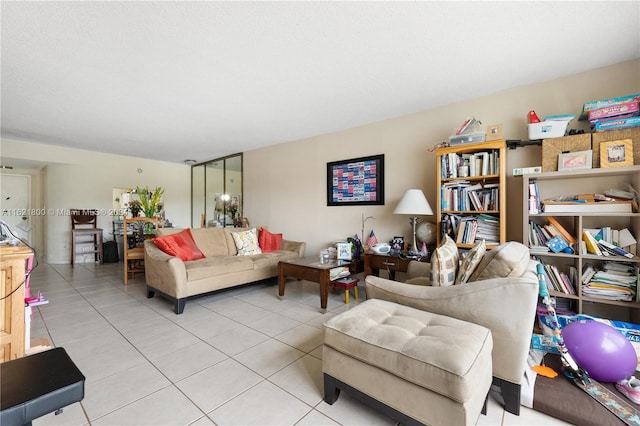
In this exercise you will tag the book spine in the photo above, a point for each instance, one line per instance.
(552, 220)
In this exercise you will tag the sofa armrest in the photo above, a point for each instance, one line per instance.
(164, 272)
(506, 306)
(296, 246)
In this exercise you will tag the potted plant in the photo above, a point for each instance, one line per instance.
(150, 200)
(135, 207)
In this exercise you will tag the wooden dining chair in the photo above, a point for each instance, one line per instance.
(85, 231)
(136, 230)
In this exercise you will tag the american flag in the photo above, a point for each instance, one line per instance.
(372, 241)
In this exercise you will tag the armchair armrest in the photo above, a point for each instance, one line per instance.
(506, 306)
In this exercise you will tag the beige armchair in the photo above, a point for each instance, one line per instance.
(506, 306)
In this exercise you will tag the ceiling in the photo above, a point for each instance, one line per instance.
(200, 80)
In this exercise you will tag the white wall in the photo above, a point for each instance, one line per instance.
(285, 185)
(82, 179)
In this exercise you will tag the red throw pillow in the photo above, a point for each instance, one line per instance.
(268, 241)
(180, 245)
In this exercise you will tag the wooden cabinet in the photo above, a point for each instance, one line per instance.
(472, 188)
(584, 181)
(12, 320)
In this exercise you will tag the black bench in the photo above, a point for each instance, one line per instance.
(38, 384)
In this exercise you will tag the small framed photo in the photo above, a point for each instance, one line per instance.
(344, 251)
(575, 160)
(397, 243)
(616, 153)
(494, 132)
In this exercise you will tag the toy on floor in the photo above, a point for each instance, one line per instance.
(604, 352)
(630, 388)
(612, 402)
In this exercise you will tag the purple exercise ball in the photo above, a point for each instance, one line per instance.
(604, 352)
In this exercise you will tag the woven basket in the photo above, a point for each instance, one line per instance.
(553, 147)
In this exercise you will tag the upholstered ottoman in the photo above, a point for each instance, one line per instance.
(415, 366)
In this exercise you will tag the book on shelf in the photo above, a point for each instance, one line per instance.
(615, 250)
(534, 198)
(557, 244)
(567, 236)
(557, 280)
(591, 243)
(552, 206)
(482, 163)
(588, 271)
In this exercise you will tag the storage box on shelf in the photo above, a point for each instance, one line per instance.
(553, 147)
(478, 194)
(615, 135)
(585, 181)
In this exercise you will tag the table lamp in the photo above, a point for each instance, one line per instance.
(414, 203)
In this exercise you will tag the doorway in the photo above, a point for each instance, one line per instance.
(16, 205)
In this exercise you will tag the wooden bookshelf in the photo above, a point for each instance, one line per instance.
(585, 181)
(494, 177)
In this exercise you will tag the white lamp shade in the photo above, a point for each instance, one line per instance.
(414, 203)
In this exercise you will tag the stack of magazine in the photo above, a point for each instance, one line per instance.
(617, 281)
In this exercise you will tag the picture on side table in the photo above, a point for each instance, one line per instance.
(344, 251)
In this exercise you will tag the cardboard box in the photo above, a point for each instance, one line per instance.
(553, 147)
(629, 109)
(615, 135)
(547, 344)
(617, 124)
(588, 106)
(629, 330)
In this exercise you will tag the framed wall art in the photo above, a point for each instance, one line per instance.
(574, 160)
(616, 153)
(357, 181)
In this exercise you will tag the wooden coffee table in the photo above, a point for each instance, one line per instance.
(310, 269)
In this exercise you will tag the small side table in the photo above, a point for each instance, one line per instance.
(347, 284)
(374, 262)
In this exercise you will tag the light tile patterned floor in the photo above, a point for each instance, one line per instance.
(240, 357)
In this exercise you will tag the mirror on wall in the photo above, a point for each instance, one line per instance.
(216, 192)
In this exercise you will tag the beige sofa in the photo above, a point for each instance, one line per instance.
(221, 268)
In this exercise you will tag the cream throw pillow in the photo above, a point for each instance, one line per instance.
(471, 262)
(444, 263)
(246, 242)
(510, 259)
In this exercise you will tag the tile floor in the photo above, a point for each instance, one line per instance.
(240, 357)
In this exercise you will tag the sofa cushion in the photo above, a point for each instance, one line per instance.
(246, 242)
(444, 263)
(268, 241)
(180, 244)
(471, 262)
(217, 266)
(213, 241)
(272, 258)
(510, 259)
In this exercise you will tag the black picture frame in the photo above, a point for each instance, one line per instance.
(356, 181)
